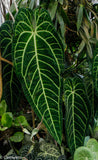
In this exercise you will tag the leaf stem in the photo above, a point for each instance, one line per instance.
(71, 30)
(33, 118)
(5, 60)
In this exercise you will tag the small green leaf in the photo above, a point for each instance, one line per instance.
(86, 140)
(48, 151)
(80, 17)
(3, 107)
(60, 1)
(6, 119)
(26, 131)
(3, 128)
(34, 132)
(17, 137)
(21, 120)
(52, 9)
(31, 149)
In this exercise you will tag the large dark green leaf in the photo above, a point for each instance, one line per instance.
(95, 68)
(77, 112)
(37, 57)
(11, 87)
(90, 90)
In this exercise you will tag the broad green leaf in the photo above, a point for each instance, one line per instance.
(83, 153)
(6, 119)
(21, 120)
(3, 107)
(11, 85)
(17, 137)
(38, 54)
(80, 17)
(95, 69)
(77, 112)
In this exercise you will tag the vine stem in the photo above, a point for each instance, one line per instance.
(71, 30)
(3, 2)
(33, 118)
(1, 85)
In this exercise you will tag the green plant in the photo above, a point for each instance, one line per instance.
(37, 52)
(8, 121)
(11, 87)
(89, 152)
(77, 111)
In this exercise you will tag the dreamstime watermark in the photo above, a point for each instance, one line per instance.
(24, 158)
(12, 158)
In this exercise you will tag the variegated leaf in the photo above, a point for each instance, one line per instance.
(95, 68)
(77, 112)
(37, 57)
(11, 85)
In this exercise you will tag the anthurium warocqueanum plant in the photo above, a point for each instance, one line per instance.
(37, 52)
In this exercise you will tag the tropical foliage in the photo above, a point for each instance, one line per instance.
(51, 56)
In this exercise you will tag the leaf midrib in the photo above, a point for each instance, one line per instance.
(43, 85)
(58, 68)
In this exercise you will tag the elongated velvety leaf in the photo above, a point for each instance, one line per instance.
(62, 25)
(52, 9)
(37, 58)
(80, 17)
(11, 87)
(95, 69)
(89, 86)
(77, 112)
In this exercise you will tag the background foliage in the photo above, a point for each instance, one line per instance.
(54, 49)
